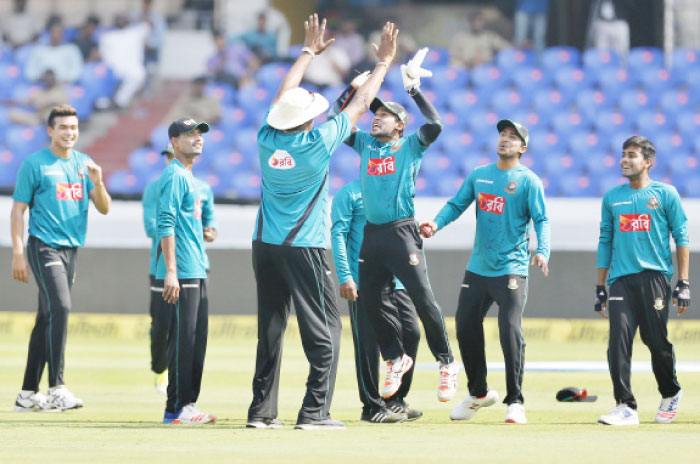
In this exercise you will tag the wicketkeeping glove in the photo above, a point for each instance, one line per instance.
(682, 293)
(601, 296)
(412, 71)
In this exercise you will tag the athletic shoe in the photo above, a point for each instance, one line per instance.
(319, 424)
(471, 404)
(189, 415)
(395, 369)
(448, 381)
(162, 383)
(668, 408)
(61, 399)
(29, 401)
(263, 423)
(383, 416)
(515, 414)
(400, 406)
(620, 415)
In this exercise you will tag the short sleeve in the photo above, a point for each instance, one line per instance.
(26, 183)
(416, 148)
(334, 131)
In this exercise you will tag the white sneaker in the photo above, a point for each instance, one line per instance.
(668, 408)
(620, 415)
(60, 398)
(515, 414)
(471, 404)
(161, 382)
(29, 401)
(189, 415)
(395, 369)
(448, 381)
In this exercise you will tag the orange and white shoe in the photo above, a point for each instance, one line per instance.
(189, 415)
(395, 369)
(448, 381)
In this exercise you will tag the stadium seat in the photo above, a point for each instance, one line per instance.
(508, 100)
(482, 121)
(245, 185)
(435, 166)
(687, 183)
(597, 164)
(345, 160)
(10, 76)
(608, 121)
(270, 75)
(448, 185)
(513, 59)
(611, 180)
(488, 78)
(98, 80)
(124, 181)
(228, 162)
(465, 102)
(531, 80)
(533, 120)
(551, 100)
(437, 56)
(544, 142)
(159, 137)
(553, 58)
(246, 140)
(688, 78)
(21, 55)
(645, 57)
(218, 139)
(633, 101)
(558, 164)
(234, 117)
(253, 98)
(615, 140)
(595, 58)
(424, 188)
(577, 185)
(566, 121)
(674, 101)
(682, 164)
(650, 121)
(688, 122)
(655, 80)
(24, 140)
(224, 93)
(571, 80)
(145, 160)
(582, 143)
(683, 58)
(613, 80)
(471, 161)
(5, 54)
(81, 101)
(9, 164)
(447, 79)
(457, 143)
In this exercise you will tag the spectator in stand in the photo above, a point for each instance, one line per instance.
(277, 23)
(686, 15)
(232, 64)
(86, 39)
(20, 27)
(608, 30)
(64, 59)
(475, 45)
(531, 24)
(122, 49)
(158, 28)
(41, 102)
(261, 41)
(351, 41)
(197, 105)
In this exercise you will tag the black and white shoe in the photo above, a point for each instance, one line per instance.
(319, 424)
(30, 401)
(383, 416)
(263, 423)
(400, 406)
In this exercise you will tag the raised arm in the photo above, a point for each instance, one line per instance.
(411, 74)
(366, 93)
(313, 45)
(345, 98)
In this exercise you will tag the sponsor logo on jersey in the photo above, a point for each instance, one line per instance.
(659, 304)
(54, 173)
(653, 203)
(413, 259)
(491, 203)
(68, 191)
(484, 181)
(280, 159)
(198, 209)
(635, 222)
(512, 284)
(381, 166)
(622, 203)
(510, 188)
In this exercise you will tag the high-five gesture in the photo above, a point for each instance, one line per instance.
(387, 45)
(314, 32)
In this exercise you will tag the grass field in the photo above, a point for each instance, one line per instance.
(121, 418)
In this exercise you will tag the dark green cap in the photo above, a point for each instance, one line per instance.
(392, 107)
(519, 129)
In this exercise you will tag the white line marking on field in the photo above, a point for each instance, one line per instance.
(577, 366)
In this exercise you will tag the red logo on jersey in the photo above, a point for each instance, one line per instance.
(381, 166)
(198, 209)
(68, 191)
(635, 222)
(491, 203)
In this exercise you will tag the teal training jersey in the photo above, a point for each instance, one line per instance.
(635, 228)
(180, 215)
(57, 192)
(388, 172)
(347, 232)
(294, 205)
(149, 201)
(506, 201)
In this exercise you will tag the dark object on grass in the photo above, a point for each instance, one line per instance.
(573, 394)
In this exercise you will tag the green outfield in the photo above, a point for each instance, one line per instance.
(121, 418)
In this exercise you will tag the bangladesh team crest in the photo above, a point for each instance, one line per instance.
(413, 259)
(653, 203)
(659, 304)
(512, 284)
(510, 188)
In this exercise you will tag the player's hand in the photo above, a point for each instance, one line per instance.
(541, 261)
(171, 288)
(20, 268)
(313, 35)
(94, 172)
(348, 290)
(386, 51)
(359, 80)
(210, 234)
(601, 300)
(412, 71)
(428, 228)
(681, 295)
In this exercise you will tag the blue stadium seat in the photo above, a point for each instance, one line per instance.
(159, 137)
(551, 100)
(447, 79)
(345, 161)
(450, 122)
(515, 59)
(595, 58)
(81, 100)
(24, 140)
(228, 162)
(670, 145)
(21, 55)
(544, 142)
(557, 57)
(557, 164)
(218, 139)
(688, 122)
(234, 117)
(683, 164)
(609, 121)
(465, 102)
(471, 161)
(688, 77)
(533, 161)
(614, 80)
(23, 90)
(651, 121)
(252, 98)
(508, 101)
(687, 182)
(9, 164)
(5, 54)
(571, 79)
(633, 101)
(582, 143)
(435, 166)
(98, 80)
(566, 121)
(611, 180)
(124, 181)
(223, 92)
(532, 119)
(437, 56)
(245, 185)
(598, 163)
(482, 121)
(424, 188)
(683, 58)
(645, 57)
(654, 79)
(696, 144)
(145, 161)
(10, 76)
(448, 185)
(674, 101)
(393, 79)
(572, 184)
(531, 80)
(487, 78)
(246, 141)
(456, 143)
(271, 74)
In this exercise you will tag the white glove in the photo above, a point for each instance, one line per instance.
(360, 79)
(412, 71)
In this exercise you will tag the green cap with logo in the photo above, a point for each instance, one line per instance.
(392, 107)
(517, 127)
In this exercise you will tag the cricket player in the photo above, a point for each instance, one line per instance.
(55, 184)
(634, 261)
(291, 233)
(508, 196)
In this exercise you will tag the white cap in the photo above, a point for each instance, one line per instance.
(295, 107)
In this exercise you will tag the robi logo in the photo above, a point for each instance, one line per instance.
(381, 166)
(198, 209)
(68, 191)
(635, 222)
(280, 159)
(491, 203)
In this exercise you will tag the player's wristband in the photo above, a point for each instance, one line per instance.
(383, 63)
(309, 51)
